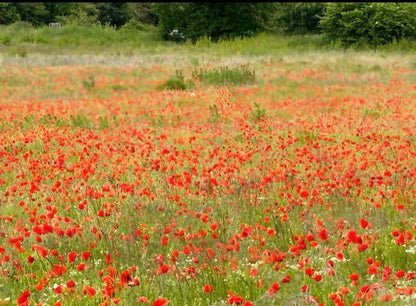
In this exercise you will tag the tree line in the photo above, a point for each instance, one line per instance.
(345, 23)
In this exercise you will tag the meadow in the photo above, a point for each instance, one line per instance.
(294, 186)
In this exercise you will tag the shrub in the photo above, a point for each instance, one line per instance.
(5, 40)
(133, 26)
(175, 83)
(257, 114)
(81, 121)
(225, 76)
(369, 23)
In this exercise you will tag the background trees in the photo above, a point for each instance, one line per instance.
(347, 24)
(300, 18)
(213, 20)
(369, 23)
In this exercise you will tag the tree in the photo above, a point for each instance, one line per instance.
(142, 12)
(33, 12)
(300, 18)
(8, 13)
(215, 20)
(55, 9)
(369, 23)
(113, 13)
(85, 13)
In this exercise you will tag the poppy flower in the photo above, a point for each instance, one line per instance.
(161, 302)
(208, 288)
(273, 289)
(142, 299)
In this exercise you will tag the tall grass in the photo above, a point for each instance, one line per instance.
(98, 39)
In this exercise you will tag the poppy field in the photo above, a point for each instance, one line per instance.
(297, 189)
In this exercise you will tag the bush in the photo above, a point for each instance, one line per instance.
(133, 26)
(369, 23)
(5, 40)
(175, 83)
(225, 76)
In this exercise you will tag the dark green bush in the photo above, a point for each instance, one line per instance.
(374, 24)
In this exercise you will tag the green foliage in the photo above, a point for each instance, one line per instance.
(81, 121)
(214, 20)
(42, 13)
(84, 14)
(374, 24)
(174, 83)
(300, 18)
(89, 84)
(8, 13)
(113, 13)
(55, 9)
(257, 114)
(103, 124)
(222, 76)
(143, 13)
(18, 52)
(136, 26)
(215, 113)
(225, 76)
(5, 40)
(33, 12)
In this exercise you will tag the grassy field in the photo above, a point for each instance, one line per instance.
(283, 174)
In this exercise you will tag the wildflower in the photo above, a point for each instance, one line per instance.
(142, 299)
(81, 267)
(161, 302)
(72, 256)
(373, 269)
(70, 283)
(125, 278)
(310, 271)
(385, 297)
(58, 289)
(286, 279)
(108, 259)
(86, 255)
(273, 289)
(90, 291)
(208, 288)
(23, 298)
(363, 223)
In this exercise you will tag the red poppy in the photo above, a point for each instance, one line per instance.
(273, 289)
(161, 302)
(208, 288)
